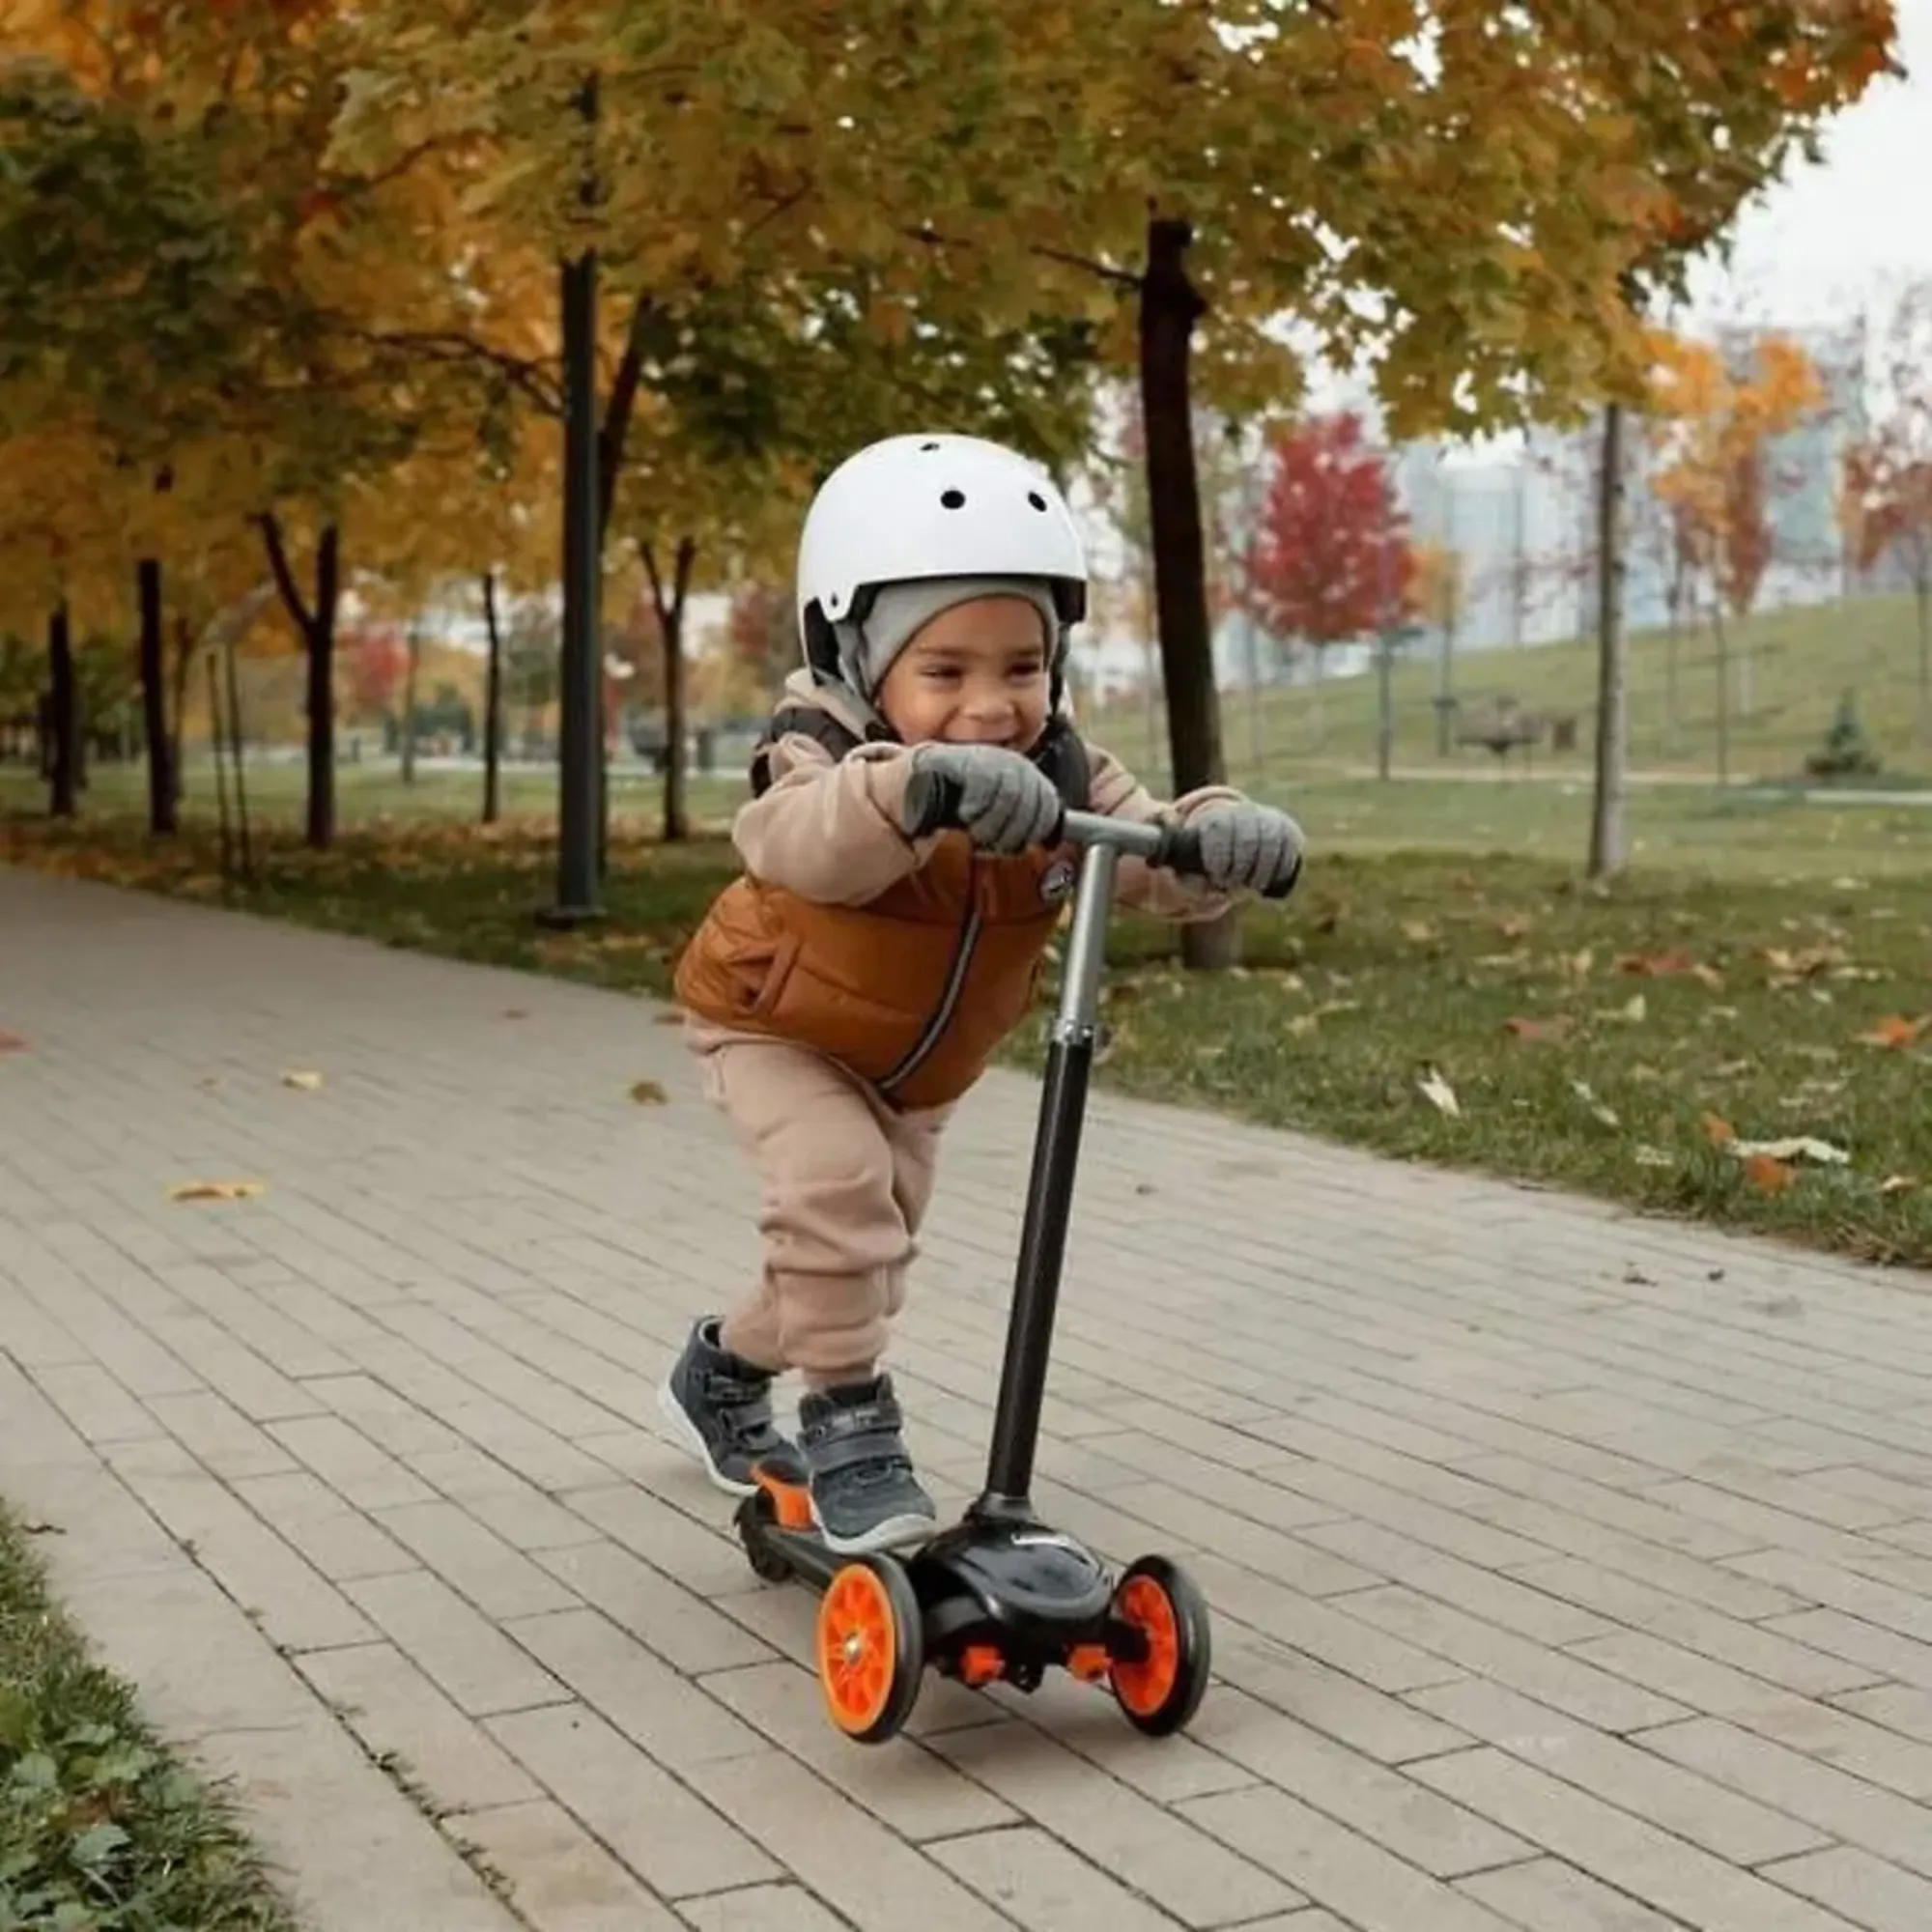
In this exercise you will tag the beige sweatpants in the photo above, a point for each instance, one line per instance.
(845, 1184)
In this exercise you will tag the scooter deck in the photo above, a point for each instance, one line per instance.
(998, 1598)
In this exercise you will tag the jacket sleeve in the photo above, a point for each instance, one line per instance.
(828, 829)
(1116, 793)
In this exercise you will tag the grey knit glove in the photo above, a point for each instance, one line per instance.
(1248, 847)
(1002, 801)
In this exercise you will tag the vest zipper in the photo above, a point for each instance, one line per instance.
(948, 999)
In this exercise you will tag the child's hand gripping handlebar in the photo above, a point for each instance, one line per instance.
(936, 798)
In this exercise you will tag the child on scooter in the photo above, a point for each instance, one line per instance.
(857, 980)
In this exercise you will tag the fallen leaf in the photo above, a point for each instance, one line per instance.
(1767, 1174)
(1897, 1031)
(1302, 1025)
(1897, 1184)
(303, 1083)
(1556, 1027)
(647, 1093)
(12, 1042)
(1418, 930)
(1438, 1093)
(215, 1190)
(1718, 1130)
(40, 1526)
(1514, 926)
(1580, 963)
(516, 1013)
(1800, 1147)
(1634, 1009)
(1655, 965)
(1586, 1094)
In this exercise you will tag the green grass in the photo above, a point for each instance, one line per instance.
(1434, 916)
(100, 1828)
(1801, 661)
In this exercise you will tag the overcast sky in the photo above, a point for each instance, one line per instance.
(1833, 235)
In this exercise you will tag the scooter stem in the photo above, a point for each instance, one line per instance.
(1056, 1153)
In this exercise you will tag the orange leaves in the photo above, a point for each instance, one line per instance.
(1896, 1032)
(1668, 965)
(1557, 1027)
(1768, 1174)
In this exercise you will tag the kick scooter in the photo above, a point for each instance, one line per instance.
(999, 1596)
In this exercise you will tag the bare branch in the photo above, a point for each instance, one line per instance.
(453, 345)
(278, 562)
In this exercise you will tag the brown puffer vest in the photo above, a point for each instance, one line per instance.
(913, 991)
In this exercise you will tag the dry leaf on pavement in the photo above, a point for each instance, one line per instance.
(12, 1042)
(215, 1190)
(303, 1082)
(647, 1093)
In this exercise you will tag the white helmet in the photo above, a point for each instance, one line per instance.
(925, 506)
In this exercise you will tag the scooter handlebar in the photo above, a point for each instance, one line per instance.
(1175, 848)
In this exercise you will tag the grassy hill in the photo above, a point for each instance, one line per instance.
(1787, 671)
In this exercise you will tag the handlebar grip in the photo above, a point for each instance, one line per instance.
(932, 802)
(1181, 850)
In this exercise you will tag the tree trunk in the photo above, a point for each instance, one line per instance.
(1722, 642)
(163, 790)
(63, 718)
(1673, 644)
(1169, 307)
(671, 628)
(183, 664)
(318, 632)
(1610, 850)
(493, 706)
(1924, 589)
(1384, 704)
(412, 662)
(1318, 702)
(1445, 687)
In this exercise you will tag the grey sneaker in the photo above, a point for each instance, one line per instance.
(865, 1495)
(721, 1406)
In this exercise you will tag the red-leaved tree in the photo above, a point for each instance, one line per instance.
(376, 661)
(1332, 558)
(1889, 476)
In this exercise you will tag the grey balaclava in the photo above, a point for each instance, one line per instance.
(868, 649)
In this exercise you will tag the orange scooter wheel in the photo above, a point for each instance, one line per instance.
(870, 1649)
(1161, 1691)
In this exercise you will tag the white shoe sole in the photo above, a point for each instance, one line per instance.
(896, 1532)
(688, 1433)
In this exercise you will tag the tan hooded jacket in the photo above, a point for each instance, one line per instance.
(906, 960)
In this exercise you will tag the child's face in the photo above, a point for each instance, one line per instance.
(977, 674)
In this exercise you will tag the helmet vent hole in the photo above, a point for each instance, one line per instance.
(954, 500)
(1036, 500)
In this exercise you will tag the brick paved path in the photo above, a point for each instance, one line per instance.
(1575, 1577)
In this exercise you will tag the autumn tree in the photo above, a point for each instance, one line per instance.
(1718, 418)
(1888, 481)
(1333, 560)
(1438, 597)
